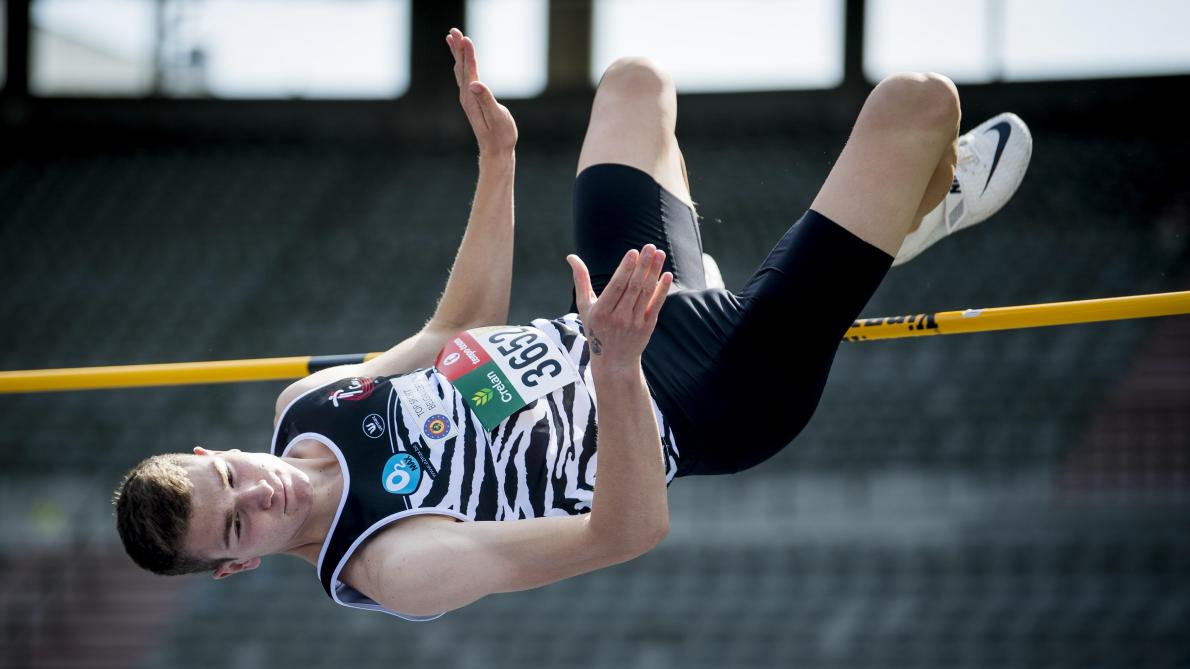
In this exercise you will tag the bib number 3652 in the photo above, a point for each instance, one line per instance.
(524, 353)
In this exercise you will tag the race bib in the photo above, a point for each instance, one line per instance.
(501, 369)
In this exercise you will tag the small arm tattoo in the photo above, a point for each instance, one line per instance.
(596, 345)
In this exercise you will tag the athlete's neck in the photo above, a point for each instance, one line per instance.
(326, 484)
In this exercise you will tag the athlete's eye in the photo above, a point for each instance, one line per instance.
(237, 527)
(231, 478)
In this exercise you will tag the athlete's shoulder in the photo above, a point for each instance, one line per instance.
(313, 382)
(389, 590)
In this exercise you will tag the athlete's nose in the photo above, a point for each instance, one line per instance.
(261, 494)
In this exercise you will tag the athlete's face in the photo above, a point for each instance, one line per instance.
(244, 506)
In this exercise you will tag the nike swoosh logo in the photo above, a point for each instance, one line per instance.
(1004, 130)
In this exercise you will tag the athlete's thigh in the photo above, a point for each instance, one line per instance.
(781, 343)
(617, 208)
(630, 188)
(633, 120)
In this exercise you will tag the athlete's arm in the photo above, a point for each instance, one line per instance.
(413, 353)
(429, 566)
(477, 292)
(630, 496)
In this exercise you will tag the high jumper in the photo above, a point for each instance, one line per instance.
(462, 462)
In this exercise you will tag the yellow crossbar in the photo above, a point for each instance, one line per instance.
(891, 327)
(1025, 316)
(170, 373)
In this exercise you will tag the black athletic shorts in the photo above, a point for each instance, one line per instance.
(737, 375)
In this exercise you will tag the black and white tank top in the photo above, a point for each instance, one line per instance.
(501, 428)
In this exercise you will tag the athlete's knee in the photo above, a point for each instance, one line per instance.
(922, 101)
(635, 75)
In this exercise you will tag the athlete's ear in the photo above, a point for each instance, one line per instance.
(199, 450)
(234, 567)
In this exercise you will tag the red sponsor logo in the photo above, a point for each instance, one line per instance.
(357, 389)
(460, 356)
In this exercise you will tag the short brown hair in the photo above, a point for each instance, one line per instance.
(153, 513)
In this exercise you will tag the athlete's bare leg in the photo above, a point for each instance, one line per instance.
(939, 184)
(898, 163)
(632, 123)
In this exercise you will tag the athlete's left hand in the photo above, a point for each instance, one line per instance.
(492, 123)
(619, 322)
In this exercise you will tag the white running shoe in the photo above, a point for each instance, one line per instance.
(710, 269)
(992, 160)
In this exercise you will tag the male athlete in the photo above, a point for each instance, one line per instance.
(462, 462)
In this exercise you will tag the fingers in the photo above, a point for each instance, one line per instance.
(644, 280)
(659, 294)
(633, 286)
(463, 49)
(616, 287)
(636, 290)
(473, 107)
(583, 293)
(645, 307)
(477, 99)
(483, 94)
(470, 66)
(455, 43)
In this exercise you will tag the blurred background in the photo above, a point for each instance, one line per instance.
(211, 179)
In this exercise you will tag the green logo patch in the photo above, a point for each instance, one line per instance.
(481, 398)
(493, 397)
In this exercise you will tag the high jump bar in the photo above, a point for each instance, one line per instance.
(865, 329)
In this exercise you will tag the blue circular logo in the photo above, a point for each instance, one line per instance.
(401, 474)
(436, 426)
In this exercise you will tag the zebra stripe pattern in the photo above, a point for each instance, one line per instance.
(541, 461)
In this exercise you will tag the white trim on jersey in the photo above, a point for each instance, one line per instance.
(281, 419)
(322, 439)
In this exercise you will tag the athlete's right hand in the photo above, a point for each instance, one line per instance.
(493, 125)
(619, 322)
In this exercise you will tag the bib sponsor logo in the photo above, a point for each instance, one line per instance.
(505, 396)
(436, 426)
(463, 354)
(357, 389)
(421, 406)
(374, 425)
(401, 474)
